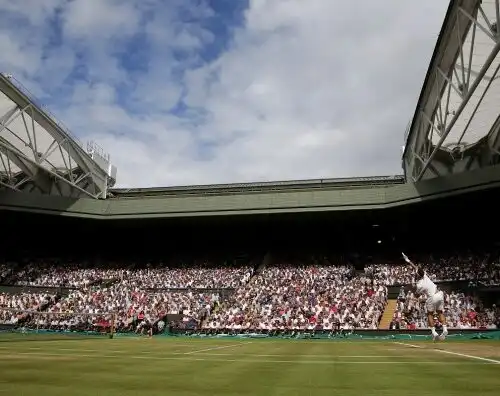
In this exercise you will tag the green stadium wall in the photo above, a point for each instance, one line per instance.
(325, 200)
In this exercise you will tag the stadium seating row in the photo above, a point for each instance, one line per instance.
(273, 297)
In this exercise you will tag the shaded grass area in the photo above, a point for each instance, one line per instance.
(192, 367)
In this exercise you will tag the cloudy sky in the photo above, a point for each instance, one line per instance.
(214, 91)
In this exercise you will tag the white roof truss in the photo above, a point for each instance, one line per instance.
(458, 107)
(38, 154)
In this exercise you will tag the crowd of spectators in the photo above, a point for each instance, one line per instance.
(201, 275)
(136, 295)
(133, 306)
(70, 276)
(127, 307)
(198, 277)
(470, 267)
(298, 295)
(462, 311)
(14, 306)
(302, 298)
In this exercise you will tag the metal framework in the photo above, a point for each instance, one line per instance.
(39, 154)
(456, 123)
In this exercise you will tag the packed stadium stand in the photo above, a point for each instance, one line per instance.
(321, 254)
(280, 294)
(300, 259)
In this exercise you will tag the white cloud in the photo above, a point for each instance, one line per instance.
(318, 90)
(91, 19)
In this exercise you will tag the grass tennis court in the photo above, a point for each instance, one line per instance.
(191, 367)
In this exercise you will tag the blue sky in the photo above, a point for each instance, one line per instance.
(212, 91)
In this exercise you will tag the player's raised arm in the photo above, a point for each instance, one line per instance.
(405, 257)
(419, 272)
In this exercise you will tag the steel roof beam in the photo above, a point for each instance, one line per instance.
(40, 175)
(441, 68)
(26, 166)
(467, 90)
(62, 138)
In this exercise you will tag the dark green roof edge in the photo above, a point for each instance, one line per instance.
(366, 181)
(264, 203)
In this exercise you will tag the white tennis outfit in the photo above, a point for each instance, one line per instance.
(435, 298)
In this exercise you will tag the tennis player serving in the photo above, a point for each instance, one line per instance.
(434, 303)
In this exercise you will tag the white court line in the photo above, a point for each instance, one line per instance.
(335, 341)
(84, 350)
(409, 345)
(155, 352)
(289, 354)
(48, 355)
(215, 348)
(17, 343)
(124, 351)
(468, 356)
(451, 353)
